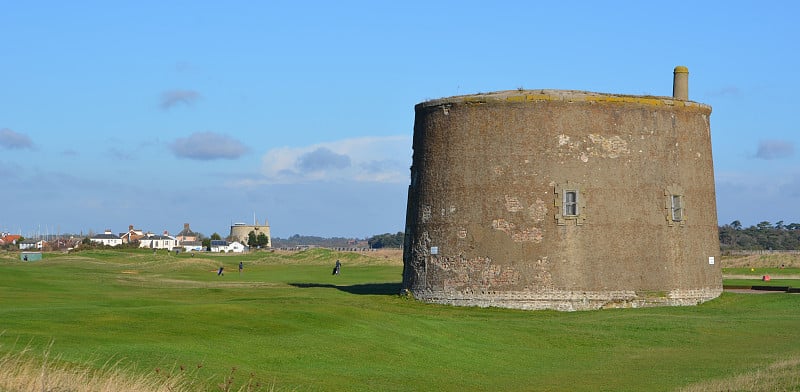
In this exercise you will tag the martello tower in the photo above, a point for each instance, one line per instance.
(568, 200)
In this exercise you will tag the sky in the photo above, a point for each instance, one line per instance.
(160, 113)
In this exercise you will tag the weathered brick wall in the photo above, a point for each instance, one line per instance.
(569, 301)
(486, 225)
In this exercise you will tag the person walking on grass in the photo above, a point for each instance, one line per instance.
(337, 268)
(241, 266)
(220, 273)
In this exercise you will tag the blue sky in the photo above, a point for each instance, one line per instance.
(157, 113)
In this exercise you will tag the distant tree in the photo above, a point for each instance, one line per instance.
(736, 225)
(207, 241)
(727, 236)
(297, 239)
(262, 240)
(252, 241)
(764, 225)
(386, 240)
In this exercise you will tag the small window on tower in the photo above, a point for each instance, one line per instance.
(677, 208)
(675, 205)
(570, 203)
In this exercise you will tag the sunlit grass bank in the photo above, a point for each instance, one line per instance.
(286, 323)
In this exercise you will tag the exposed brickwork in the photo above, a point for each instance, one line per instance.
(568, 300)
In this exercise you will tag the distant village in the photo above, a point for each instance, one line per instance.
(242, 237)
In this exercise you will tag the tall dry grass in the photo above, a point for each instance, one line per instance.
(23, 371)
(761, 261)
(783, 375)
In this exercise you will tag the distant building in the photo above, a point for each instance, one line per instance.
(153, 241)
(218, 246)
(132, 235)
(236, 247)
(191, 245)
(107, 238)
(9, 239)
(30, 244)
(225, 246)
(241, 231)
(187, 234)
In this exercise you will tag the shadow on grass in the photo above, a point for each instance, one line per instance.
(360, 289)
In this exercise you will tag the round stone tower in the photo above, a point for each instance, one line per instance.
(568, 200)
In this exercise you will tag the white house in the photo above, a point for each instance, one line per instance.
(107, 239)
(30, 244)
(192, 246)
(218, 246)
(153, 241)
(236, 247)
(225, 246)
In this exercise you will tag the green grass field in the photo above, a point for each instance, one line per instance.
(287, 322)
(745, 277)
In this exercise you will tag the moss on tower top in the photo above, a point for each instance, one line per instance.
(522, 96)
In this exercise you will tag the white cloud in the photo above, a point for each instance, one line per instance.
(367, 159)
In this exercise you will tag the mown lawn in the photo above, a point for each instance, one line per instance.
(745, 277)
(287, 321)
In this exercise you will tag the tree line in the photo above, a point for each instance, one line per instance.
(762, 236)
(732, 236)
(386, 240)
